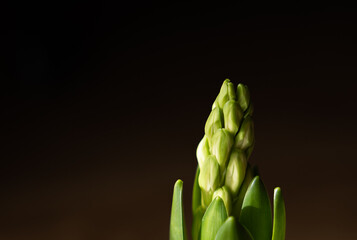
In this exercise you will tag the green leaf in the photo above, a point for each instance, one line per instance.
(232, 229)
(196, 193)
(177, 222)
(196, 224)
(256, 214)
(214, 217)
(279, 216)
(228, 230)
(224, 194)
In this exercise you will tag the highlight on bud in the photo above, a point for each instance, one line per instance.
(235, 171)
(232, 116)
(222, 142)
(202, 151)
(245, 137)
(209, 178)
(224, 194)
(226, 93)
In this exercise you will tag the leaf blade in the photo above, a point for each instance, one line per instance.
(212, 220)
(177, 221)
(196, 223)
(196, 192)
(256, 214)
(228, 230)
(279, 225)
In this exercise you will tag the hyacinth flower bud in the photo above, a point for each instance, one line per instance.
(224, 194)
(245, 137)
(226, 93)
(235, 171)
(249, 150)
(222, 142)
(243, 96)
(237, 204)
(213, 123)
(202, 151)
(232, 116)
(249, 111)
(209, 178)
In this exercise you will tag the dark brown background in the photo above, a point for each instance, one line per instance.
(103, 106)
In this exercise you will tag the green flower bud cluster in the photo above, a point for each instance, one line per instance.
(229, 200)
(223, 152)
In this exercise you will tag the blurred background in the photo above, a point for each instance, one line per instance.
(103, 105)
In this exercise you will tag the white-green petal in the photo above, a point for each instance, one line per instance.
(235, 171)
(245, 137)
(232, 116)
(226, 93)
(222, 142)
(213, 123)
(243, 96)
(202, 151)
(209, 177)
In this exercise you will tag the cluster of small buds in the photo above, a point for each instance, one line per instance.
(224, 150)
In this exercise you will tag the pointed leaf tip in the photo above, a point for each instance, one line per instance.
(256, 214)
(228, 230)
(279, 225)
(177, 221)
(212, 220)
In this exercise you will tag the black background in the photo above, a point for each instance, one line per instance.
(103, 105)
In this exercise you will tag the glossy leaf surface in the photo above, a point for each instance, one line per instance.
(228, 231)
(256, 214)
(214, 217)
(196, 193)
(279, 216)
(196, 224)
(177, 222)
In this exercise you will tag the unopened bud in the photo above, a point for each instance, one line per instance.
(226, 93)
(245, 136)
(243, 96)
(213, 123)
(232, 116)
(223, 193)
(222, 142)
(202, 151)
(249, 175)
(235, 171)
(249, 150)
(209, 178)
(249, 111)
